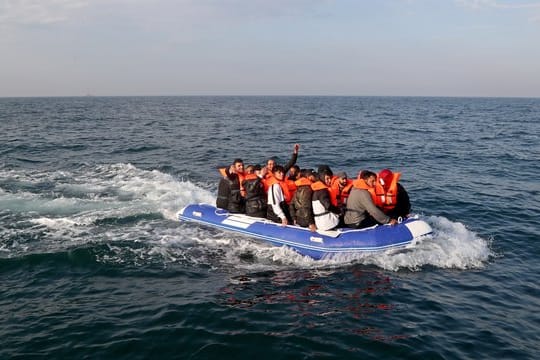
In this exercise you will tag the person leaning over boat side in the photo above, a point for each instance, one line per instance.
(392, 197)
(255, 194)
(229, 188)
(360, 209)
(300, 207)
(326, 215)
(277, 209)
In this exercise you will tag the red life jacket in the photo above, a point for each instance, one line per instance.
(387, 199)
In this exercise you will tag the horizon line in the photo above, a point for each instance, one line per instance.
(275, 95)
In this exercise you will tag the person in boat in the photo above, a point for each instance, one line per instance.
(278, 192)
(340, 189)
(271, 163)
(325, 213)
(301, 207)
(326, 168)
(230, 190)
(255, 194)
(290, 179)
(361, 211)
(392, 197)
(294, 173)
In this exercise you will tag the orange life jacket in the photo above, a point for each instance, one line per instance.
(387, 199)
(241, 177)
(250, 177)
(319, 185)
(346, 191)
(361, 184)
(333, 189)
(303, 182)
(286, 193)
(266, 180)
(292, 188)
(340, 195)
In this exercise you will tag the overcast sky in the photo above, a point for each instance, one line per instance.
(270, 47)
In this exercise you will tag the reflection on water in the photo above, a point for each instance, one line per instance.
(318, 298)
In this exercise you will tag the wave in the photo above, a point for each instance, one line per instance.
(97, 204)
(451, 246)
(138, 149)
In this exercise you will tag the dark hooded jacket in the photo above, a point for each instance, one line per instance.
(229, 196)
(300, 207)
(255, 196)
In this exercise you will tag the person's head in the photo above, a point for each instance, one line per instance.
(308, 174)
(322, 168)
(385, 178)
(257, 169)
(342, 178)
(238, 165)
(312, 175)
(369, 177)
(294, 172)
(326, 177)
(279, 172)
(270, 164)
(250, 169)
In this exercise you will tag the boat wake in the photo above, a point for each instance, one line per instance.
(127, 215)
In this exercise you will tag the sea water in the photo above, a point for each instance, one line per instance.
(95, 264)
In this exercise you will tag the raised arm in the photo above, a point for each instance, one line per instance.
(293, 159)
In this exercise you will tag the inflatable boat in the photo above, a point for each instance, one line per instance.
(317, 245)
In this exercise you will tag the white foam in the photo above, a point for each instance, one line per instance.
(451, 246)
(77, 208)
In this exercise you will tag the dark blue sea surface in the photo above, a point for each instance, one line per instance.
(94, 264)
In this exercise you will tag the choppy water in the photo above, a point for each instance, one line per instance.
(93, 263)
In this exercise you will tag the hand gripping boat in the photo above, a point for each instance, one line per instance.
(318, 245)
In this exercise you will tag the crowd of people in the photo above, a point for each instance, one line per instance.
(318, 200)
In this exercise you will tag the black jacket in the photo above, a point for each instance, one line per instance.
(229, 196)
(255, 197)
(403, 204)
(300, 207)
